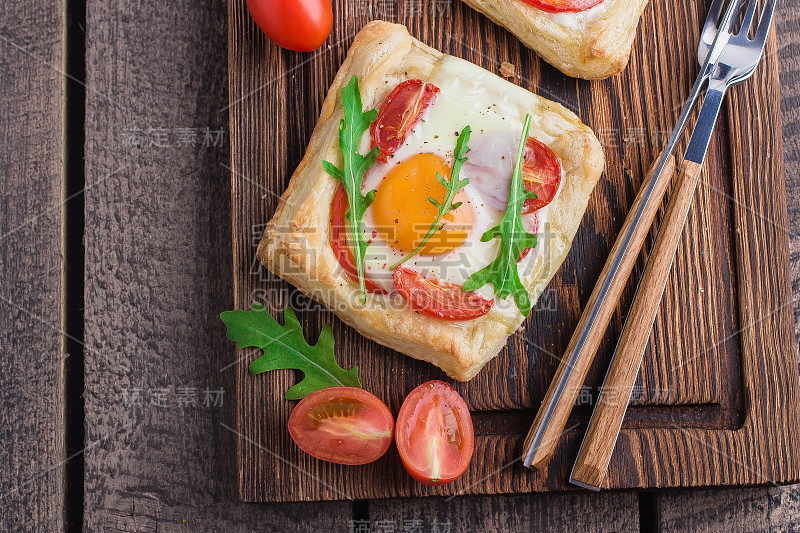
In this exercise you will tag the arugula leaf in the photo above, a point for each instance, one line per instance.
(285, 347)
(502, 272)
(453, 186)
(351, 128)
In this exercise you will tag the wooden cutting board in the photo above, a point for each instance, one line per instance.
(717, 399)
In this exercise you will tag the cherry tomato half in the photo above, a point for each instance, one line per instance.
(342, 251)
(299, 25)
(342, 425)
(541, 174)
(398, 114)
(561, 6)
(437, 298)
(434, 434)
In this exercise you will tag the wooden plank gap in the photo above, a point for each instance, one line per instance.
(648, 513)
(360, 518)
(74, 184)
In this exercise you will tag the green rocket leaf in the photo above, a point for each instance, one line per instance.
(351, 128)
(286, 347)
(502, 272)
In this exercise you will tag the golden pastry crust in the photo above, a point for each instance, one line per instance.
(594, 44)
(296, 242)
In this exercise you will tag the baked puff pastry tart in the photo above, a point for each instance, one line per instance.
(434, 203)
(588, 39)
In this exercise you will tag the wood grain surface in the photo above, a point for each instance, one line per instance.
(160, 456)
(788, 54)
(175, 471)
(32, 448)
(770, 508)
(768, 350)
(538, 512)
(721, 356)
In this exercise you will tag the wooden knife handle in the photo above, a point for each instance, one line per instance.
(556, 407)
(601, 437)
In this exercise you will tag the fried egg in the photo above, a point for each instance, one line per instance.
(401, 214)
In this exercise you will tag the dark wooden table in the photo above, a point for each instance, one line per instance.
(115, 262)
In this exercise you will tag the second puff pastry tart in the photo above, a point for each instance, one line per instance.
(591, 44)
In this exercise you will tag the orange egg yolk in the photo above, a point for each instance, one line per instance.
(403, 214)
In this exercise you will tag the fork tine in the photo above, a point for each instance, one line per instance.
(711, 25)
(710, 29)
(747, 22)
(736, 8)
(764, 22)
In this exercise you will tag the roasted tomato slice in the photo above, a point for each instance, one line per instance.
(342, 251)
(342, 425)
(561, 6)
(439, 298)
(398, 114)
(541, 174)
(434, 434)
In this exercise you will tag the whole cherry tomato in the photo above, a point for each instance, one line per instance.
(299, 25)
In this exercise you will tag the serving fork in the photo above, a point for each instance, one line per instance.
(735, 61)
(560, 397)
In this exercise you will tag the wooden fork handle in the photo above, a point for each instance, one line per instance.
(601, 436)
(551, 419)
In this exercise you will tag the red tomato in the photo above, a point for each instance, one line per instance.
(560, 6)
(342, 251)
(439, 298)
(342, 425)
(434, 434)
(299, 25)
(541, 174)
(398, 114)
